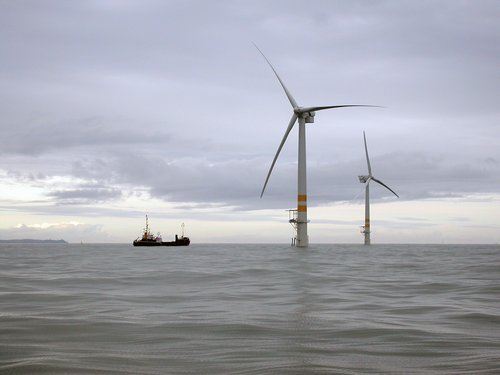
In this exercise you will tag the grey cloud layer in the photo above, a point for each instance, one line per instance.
(38, 136)
(237, 183)
(86, 195)
(173, 98)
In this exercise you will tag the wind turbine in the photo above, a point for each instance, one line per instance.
(304, 115)
(366, 180)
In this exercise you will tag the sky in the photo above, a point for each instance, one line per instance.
(111, 110)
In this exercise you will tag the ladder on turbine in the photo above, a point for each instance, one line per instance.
(292, 219)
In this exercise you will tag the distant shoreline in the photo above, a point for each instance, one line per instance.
(31, 241)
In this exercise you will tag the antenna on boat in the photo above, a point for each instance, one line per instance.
(182, 226)
(147, 225)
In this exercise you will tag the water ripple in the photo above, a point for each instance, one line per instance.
(250, 309)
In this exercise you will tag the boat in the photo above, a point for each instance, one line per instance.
(149, 239)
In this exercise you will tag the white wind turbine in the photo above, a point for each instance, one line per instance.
(366, 180)
(303, 115)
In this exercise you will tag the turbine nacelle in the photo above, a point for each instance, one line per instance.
(363, 179)
(307, 116)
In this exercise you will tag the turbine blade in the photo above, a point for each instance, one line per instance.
(289, 96)
(367, 158)
(384, 185)
(290, 126)
(309, 109)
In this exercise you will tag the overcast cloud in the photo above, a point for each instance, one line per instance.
(103, 101)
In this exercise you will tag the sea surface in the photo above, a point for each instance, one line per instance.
(250, 309)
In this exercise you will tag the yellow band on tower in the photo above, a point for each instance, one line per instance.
(302, 208)
(302, 198)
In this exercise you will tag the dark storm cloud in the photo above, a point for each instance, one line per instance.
(172, 97)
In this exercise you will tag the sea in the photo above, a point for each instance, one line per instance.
(249, 309)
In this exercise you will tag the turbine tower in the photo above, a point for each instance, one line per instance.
(366, 180)
(304, 115)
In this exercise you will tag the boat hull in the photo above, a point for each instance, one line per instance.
(179, 242)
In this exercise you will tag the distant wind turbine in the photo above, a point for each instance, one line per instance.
(366, 180)
(303, 115)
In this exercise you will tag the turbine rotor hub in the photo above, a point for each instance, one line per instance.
(363, 179)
